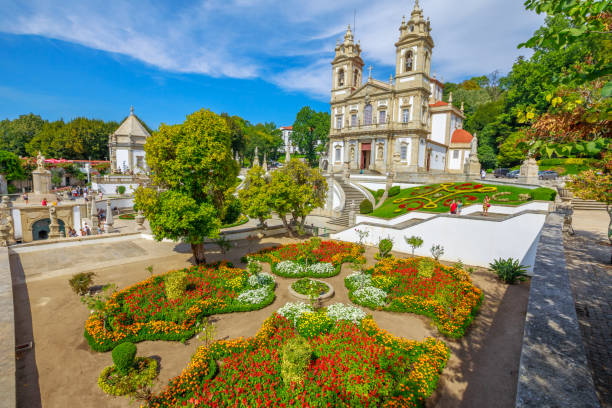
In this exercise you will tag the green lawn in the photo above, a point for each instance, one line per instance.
(436, 198)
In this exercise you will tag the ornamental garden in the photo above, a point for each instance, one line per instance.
(304, 354)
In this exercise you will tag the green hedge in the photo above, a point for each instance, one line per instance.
(543, 194)
(393, 191)
(366, 207)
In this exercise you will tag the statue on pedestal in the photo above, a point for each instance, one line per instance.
(256, 158)
(108, 224)
(54, 227)
(40, 161)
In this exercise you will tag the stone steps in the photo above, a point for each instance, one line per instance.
(579, 204)
(353, 198)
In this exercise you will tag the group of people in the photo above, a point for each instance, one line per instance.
(455, 206)
(85, 230)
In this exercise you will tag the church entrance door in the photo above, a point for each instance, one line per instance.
(428, 159)
(366, 151)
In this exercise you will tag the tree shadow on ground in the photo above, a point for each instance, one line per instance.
(28, 389)
(485, 361)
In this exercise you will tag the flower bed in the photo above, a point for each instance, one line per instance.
(353, 364)
(444, 293)
(144, 312)
(308, 259)
(129, 216)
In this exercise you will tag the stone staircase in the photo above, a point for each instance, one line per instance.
(353, 198)
(579, 204)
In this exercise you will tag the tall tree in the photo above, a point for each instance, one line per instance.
(192, 171)
(256, 195)
(295, 190)
(16, 134)
(266, 137)
(311, 129)
(10, 166)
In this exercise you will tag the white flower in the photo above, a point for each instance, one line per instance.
(253, 296)
(359, 279)
(293, 311)
(339, 311)
(289, 268)
(262, 278)
(371, 294)
(322, 268)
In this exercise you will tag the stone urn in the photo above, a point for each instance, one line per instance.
(140, 219)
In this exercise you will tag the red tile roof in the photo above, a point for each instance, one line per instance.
(439, 103)
(461, 136)
(286, 127)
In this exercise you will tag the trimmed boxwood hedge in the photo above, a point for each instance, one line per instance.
(366, 207)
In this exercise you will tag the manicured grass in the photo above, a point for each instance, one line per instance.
(243, 219)
(436, 198)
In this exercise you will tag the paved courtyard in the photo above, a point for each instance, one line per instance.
(588, 263)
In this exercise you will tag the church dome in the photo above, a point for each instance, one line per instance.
(461, 136)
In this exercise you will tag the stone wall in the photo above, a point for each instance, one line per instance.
(7, 334)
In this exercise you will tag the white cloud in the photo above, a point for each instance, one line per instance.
(289, 43)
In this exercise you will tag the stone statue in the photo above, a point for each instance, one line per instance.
(40, 161)
(256, 158)
(53, 215)
(474, 146)
(54, 227)
(352, 154)
(380, 151)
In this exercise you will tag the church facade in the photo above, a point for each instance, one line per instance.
(400, 125)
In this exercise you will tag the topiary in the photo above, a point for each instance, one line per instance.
(121, 189)
(393, 191)
(123, 357)
(366, 207)
(176, 284)
(297, 353)
(384, 247)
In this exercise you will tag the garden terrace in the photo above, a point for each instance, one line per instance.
(422, 286)
(437, 198)
(314, 259)
(144, 311)
(352, 363)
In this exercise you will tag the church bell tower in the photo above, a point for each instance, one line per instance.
(347, 67)
(414, 48)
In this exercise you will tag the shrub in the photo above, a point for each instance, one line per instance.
(293, 311)
(366, 207)
(393, 191)
(414, 241)
(509, 270)
(384, 247)
(254, 296)
(289, 268)
(121, 189)
(297, 353)
(233, 211)
(315, 242)
(176, 284)
(312, 324)
(139, 377)
(123, 357)
(321, 268)
(426, 267)
(370, 296)
(340, 311)
(437, 251)
(81, 282)
(379, 193)
(358, 280)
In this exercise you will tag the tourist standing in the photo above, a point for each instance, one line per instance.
(453, 207)
(459, 205)
(44, 202)
(25, 198)
(483, 174)
(486, 205)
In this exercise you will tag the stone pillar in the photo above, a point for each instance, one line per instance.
(140, 218)
(41, 179)
(8, 215)
(264, 165)
(256, 158)
(93, 215)
(472, 167)
(3, 185)
(54, 227)
(288, 155)
(529, 171)
(108, 224)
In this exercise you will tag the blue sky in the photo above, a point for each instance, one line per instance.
(262, 60)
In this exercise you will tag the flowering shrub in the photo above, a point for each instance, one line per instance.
(262, 278)
(144, 312)
(369, 296)
(311, 256)
(358, 280)
(339, 311)
(354, 365)
(254, 296)
(321, 269)
(446, 294)
(293, 311)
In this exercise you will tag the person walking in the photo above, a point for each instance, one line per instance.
(459, 205)
(483, 174)
(485, 206)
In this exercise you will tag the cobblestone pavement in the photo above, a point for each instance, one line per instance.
(588, 263)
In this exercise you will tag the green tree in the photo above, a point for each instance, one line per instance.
(15, 134)
(266, 137)
(256, 195)
(311, 129)
(295, 190)
(192, 173)
(10, 166)
(237, 127)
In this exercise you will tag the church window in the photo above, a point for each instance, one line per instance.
(405, 115)
(339, 122)
(408, 61)
(404, 152)
(338, 154)
(455, 154)
(354, 120)
(341, 77)
(382, 116)
(356, 77)
(367, 114)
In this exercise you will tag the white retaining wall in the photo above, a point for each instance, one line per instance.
(475, 242)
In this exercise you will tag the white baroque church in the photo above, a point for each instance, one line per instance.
(399, 127)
